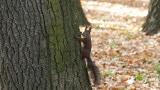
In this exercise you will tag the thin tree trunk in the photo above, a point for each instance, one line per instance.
(82, 20)
(152, 23)
(37, 48)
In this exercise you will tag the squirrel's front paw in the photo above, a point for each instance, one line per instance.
(74, 36)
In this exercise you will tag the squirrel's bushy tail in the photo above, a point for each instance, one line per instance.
(95, 70)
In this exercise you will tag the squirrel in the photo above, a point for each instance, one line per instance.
(85, 54)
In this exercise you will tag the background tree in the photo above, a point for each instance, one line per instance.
(82, 20)
(37, 48)
(152, 23)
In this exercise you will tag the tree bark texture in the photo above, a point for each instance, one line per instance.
(37, 48)
(82, 20)
(152, 23)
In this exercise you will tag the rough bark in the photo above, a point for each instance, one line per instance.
(152, 23)
(37, 48)
(82, 20)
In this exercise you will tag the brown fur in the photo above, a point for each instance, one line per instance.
(85, 54)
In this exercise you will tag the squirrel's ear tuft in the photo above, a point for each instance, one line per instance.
(90, 29)
(86, 27)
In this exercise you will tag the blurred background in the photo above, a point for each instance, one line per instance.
(127, 58)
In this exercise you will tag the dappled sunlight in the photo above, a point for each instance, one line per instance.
(109, 15)
(127, 58)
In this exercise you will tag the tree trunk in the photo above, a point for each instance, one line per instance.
(37, 48)
(152, 23)
(82, 20)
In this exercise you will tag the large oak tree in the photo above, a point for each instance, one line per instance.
(37, 48)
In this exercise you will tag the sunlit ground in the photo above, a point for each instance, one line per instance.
(128, 60)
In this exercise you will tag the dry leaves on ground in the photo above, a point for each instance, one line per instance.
(127, 58)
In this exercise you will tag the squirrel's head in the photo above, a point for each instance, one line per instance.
(86, 33)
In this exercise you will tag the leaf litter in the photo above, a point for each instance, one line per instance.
(126, 57)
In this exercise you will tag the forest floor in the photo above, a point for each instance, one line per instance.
(126, 57)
